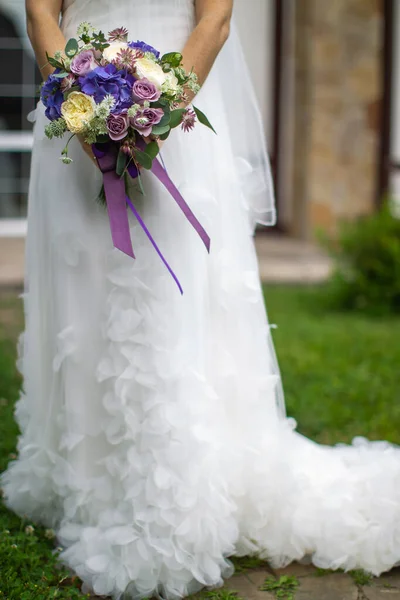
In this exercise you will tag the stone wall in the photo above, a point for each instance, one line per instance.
(337, 104)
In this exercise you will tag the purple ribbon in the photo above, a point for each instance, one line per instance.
(117, 200)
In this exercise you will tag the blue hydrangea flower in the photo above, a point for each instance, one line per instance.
(144, 48)
(52, 96)
(105, 81)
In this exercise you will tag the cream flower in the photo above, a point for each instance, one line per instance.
(147, 68)
(171, 84)
(113, 50)
(78, 110)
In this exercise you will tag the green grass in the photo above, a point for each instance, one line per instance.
(340, 374)
(283, 588)
(340, 371)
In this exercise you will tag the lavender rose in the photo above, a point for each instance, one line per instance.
(143, 89)
(83, 63)
(117, 126)
(145, 119)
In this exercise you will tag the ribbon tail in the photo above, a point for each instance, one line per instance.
(163, 176)
(116, 206)
(153, 242)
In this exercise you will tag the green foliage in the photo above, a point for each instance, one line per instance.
(219, 594)
(284, 588)
(243, 564)
(152, 149)
(340, 370)
(367, 276)
(28, 564)
(121, 163)
(203, 119)
(143, 159)
(360, 577)
(176, 117)
(172, 59)
(71, 48)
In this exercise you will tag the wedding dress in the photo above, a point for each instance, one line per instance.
(154, 438)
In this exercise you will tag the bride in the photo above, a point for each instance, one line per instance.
(154, 438)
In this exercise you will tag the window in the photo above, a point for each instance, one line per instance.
(19, 82)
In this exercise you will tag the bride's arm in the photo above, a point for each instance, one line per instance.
(42, 17)
(211, 32)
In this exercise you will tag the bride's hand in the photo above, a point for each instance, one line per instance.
(87, 148)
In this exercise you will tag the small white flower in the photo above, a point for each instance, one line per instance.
(66, 160)
(113, 50)
(171, 85)
(6, 531)
(29, 530)
(49, 534)
(14, 546)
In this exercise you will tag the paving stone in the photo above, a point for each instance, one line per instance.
(296, 570)
(337, 586)
(246, 588)
(392, 578)
(378, 591)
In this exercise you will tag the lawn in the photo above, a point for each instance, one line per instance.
(341, 376)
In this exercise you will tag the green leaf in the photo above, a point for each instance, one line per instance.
(176, 117)
(166, 118)
(174, 59)
(164, 136)
(61, 75)
(152, 149)
(54, 63)
(71, 48)
(160, 103)
(143, 159)
(121, 163)
(157, 130)
(203, 119)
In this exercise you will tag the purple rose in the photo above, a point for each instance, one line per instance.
(143, 89)
(117, 126)
(83, 63)
(52, 96)
(104, 81)
(144, 48)
(145, 119)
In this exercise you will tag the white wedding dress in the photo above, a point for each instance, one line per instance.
(154, 438)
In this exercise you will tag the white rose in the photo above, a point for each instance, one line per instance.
(148, 69)
(171, 84)
(113, 50)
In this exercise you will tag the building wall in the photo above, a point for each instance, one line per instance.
(338, 54)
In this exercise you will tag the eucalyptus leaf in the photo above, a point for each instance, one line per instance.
(174, 59)
(61, 75)
(152, 149)
(71, 48)
(143, 159)
(55, 63)
(166, 118)
(176, 117)
(203, 119)
(164, 136)
(121, 163)
(157, 130)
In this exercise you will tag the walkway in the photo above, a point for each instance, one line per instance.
(281, 259)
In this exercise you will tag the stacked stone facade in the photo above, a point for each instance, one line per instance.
(337, 103)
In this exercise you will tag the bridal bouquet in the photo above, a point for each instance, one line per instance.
(122, 98)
